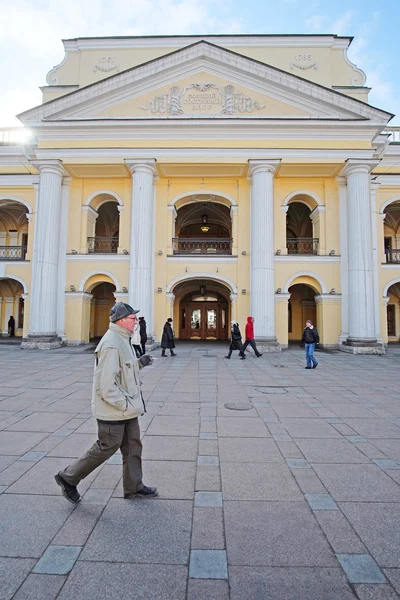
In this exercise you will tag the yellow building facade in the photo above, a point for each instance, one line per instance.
(206, 179)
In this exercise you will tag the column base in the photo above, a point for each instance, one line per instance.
(41, 342)
(362, 346)
(269, 344)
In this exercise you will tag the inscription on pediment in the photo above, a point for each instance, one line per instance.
(202, 98)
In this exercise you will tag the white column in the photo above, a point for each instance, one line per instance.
(141, 288)
(44, 292)
(362, 330)
(344, 265)
(62, 257)
(9, 304)
(375, 220)
(262, 285)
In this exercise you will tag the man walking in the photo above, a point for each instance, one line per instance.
(249, 332)
(236, 340)
(116, 403)
(309, 338)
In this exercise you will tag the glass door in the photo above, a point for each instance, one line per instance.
(196, 320)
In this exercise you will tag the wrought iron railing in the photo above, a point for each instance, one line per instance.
(392, 256)
(302, 245)
(12, 252)
(103, 245)
(204, 246)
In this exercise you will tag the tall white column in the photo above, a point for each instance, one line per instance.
(44, 287)
(141, 288)
(262, 284)
(375, 222)
(344, 265)
(362, 331)
(62, 257)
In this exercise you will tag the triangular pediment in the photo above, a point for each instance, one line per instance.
(204, 81)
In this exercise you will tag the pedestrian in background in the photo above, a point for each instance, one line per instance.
(143, 333)
(167, 339)
(310, 338)
(249, 332)
(117, 403)
(236, 340)
(136, 340)
(11, 326)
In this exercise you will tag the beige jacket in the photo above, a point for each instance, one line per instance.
(116, 385)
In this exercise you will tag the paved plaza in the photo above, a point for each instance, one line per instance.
(296, 498)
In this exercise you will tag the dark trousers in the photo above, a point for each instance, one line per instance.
(235, 345)
(111, 437)
(143, 344)
(138, 350)
(252, 344)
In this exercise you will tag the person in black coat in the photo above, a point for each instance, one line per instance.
(309, 339)
(167, 340)
(11, 327)
(236, 340)
(143, 334)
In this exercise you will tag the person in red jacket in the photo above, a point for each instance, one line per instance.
(250, 338)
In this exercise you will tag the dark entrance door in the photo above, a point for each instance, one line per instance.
(203, 320)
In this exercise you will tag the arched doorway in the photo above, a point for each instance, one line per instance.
(303, 227)
(393, 312)
(102, 216)
(13, 230)
(11, 305)
(203, 310)
(302, 307)
(102, 302)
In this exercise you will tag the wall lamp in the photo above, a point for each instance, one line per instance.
(159, 290)
(125, 251)
(74, 252)
(72, 288)
(124, 289)
(278, 252)
(333, 291)
(279, 291)
(244, 291)
(244, 252)
(332, 253)
(160, 253)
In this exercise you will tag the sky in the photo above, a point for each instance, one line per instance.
(31, 32)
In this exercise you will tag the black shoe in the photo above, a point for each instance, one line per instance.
(226, 356)
(242, 358)
(145, 492)
(307, 367)
(69, 491)
(163, 355)
(258, 355)
(173, 354)
(315, 366)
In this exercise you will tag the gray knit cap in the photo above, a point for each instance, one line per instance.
(120, 310)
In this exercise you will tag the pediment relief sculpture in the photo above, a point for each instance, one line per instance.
(202, 98)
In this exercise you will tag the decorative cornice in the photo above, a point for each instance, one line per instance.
(225, 62)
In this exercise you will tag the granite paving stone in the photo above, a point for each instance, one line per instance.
(361, 568)
(210, 589)
(208, 564)
(18, 443)
(394, 577)
(258, 481)
(161, 532)
(248, 450)
(375, 592)
(29, 523)
(208, 478)
(294, 583)
(106, 581)
(57, 560)
(208, 529)
(294, 537)
(79, 525)
(184, 426)
(43, 587)
(249, 428)
(173, 479)
(309, 428)
(330, 451)
(354, 483)
(13, 571)
(375, 523)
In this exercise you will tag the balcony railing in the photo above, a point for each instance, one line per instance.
(393, 133)
(393, 256)
(102, 245)
(302, 245)
(12, 252)
(208, 246)
(15, 136)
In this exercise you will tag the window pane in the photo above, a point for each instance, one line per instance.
(211, 319)
(195, 319)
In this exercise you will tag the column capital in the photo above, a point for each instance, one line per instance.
(66, 181)
(359, 165)
(50, 166)
(146, 165)
(262, 166)
(341, 180)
